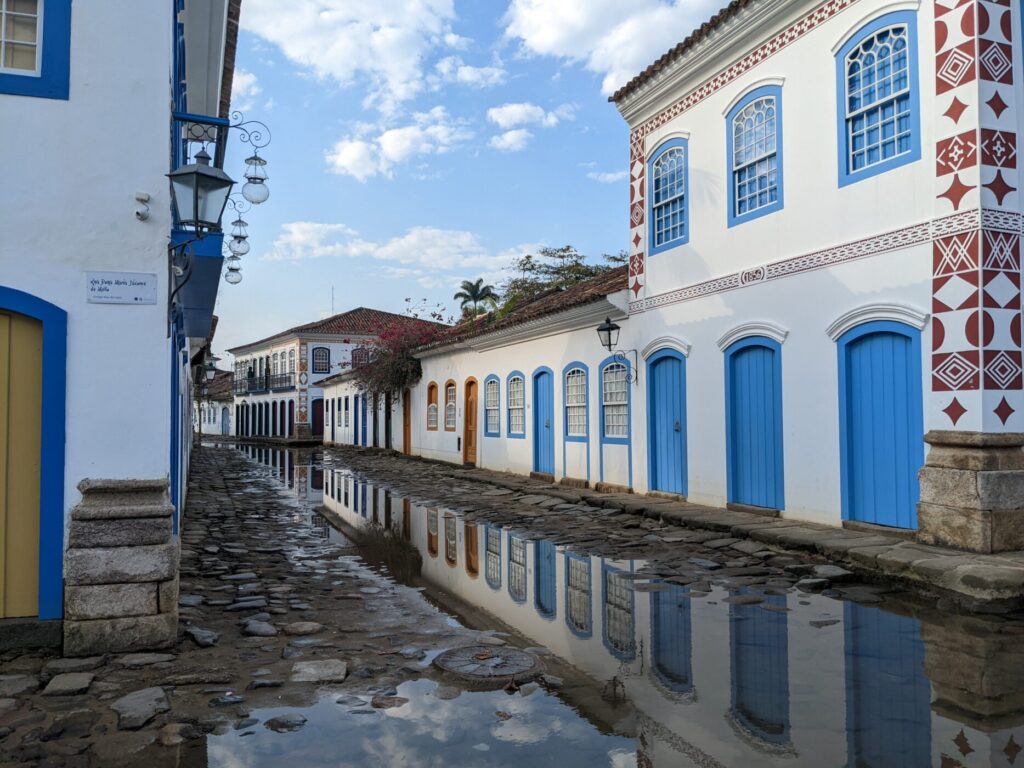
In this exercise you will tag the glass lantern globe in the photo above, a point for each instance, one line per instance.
(239, 227)
(255, 168)
(233, 262)
(233, 276)
(239, 246)
(255, 189)
(255, 192)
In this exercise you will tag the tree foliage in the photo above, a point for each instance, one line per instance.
(552, 268)
(475, 293)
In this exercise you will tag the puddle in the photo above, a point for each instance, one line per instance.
(672, 674)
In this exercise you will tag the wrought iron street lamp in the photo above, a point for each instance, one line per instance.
(199, 192)
(608, 333)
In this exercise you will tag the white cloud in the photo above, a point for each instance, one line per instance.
(452, 69)
(386, 41)
(309, 240)
(244, 90)
(608, 177)
(614, 38)
(511, 141)
(524, 113)
(363, 156)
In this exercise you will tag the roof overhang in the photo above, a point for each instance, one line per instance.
(591, 314)
(205, 27)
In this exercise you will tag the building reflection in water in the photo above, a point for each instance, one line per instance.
(793, 680)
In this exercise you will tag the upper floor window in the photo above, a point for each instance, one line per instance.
(432, 406)
(516, 406)
(291, 361)
(346, 411)
(275, 365)
(360, 356)
(877, 79)
(449, 406)
(321, 360)
(35, 48)
(669, 186)
(755, 154)
(576, 403)
(492, 406)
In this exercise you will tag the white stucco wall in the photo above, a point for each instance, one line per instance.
(73, 168)
(341, 431)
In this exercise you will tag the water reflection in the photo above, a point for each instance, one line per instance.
(715, 677)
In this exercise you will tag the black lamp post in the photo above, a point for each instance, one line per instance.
(199, 192)
(608, 333)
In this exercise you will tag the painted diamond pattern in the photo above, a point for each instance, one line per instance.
(1002, 371)
(1001, 250)
(955, 292)
(996, 62)
(955, 68)
(954, 410)
(956, 153)
(998, 148)
(954, 372)
(1002, 289)
(955, 254)
(1004, 410)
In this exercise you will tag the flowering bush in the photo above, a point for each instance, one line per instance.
(390, 367)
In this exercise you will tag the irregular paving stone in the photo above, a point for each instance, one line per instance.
(325, 671)
(833, 573)
(173, 734)
(247, 605)
(259, 629)
(190, 601)
(708, 565)
(227, 700)
(12, 685)
(285, 723)
(69, 684)
(139, 707)
(204, 638)
(136, 660)
(59, 666)
(812, 585)
(388, 702)
(303, 628)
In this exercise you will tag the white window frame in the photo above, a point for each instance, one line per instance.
(492, 407)
(611, 404)
(576, 402)
(517, 405)
(449, 407)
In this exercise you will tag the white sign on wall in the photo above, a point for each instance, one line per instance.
(120, 287)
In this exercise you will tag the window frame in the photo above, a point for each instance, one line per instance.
(315, 368)
(432, 403)
(676, 142)
(291, 361)
(508, 406)
(345, 421)
(492, 379)
(855, 39)
(754, 94)
(53, 56)
(616, 439)
(570, 368)
(451, 387)
(585, 565)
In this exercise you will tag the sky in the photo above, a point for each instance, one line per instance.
(419, 143)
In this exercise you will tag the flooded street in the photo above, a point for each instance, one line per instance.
(722, 667)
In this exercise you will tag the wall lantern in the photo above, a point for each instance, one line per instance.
(255, 189)
(199, 193)
(608, 333)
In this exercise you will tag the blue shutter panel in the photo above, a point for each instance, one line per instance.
(544, 423)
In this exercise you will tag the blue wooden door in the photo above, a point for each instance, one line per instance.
(333, 405)
(544, 577)
(888, 695)
(882, 429)
(544, 422)
(355, 420)
(666, 417)
(753, 383)
(759, 652)
(362, 421)
(225, 425)
(671, 643)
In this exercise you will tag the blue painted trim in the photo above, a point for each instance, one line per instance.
(508, 416)
(497, 381)
(533, 391)
(651, 449)
(664, 147)
(566, 437)
(628, 439)
(657, 611)
(730, 173)
(51, 451)
(53, 80)
(190, 117)
(896, 17)
(590, 593)
(915, 395)
(732, 349)
(606, 570)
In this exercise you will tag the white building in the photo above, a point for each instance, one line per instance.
(97, 331)
(212, 408)
(824, 279)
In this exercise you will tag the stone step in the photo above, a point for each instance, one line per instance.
(127, 493)
(117, 509)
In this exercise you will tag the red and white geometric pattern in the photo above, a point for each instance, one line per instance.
(637, 277)
(302, 414)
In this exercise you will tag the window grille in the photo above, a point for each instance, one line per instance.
(491, 406)
(576, 403)
(615, 401)
(516, 406)
(669, 196)
(755, 156)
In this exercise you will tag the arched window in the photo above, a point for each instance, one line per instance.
(576, 403)
(274, 365)
(615, 401)
(669, 184)
(449, 406)
(432, 532)
(877, 80)
(492, 564)
(516, 406)
(432, 407)
(578, 594)
(492, 407)
(321, 360)
(451, 551)
(755, 154)
(360, 356)
(291, 361)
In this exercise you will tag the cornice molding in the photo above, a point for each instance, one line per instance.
(756, 328)
(898, 313)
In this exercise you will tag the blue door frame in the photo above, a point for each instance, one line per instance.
(355, 420)
(753, 422)
(362, 422)
(666, 420)
(544, 421)
(881, 422)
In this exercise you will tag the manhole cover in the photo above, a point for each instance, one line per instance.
(489, 665)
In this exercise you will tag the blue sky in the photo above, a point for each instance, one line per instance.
(417, 143)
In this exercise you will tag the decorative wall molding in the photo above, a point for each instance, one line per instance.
(665, 342)
(756, 328)
(778, 82)
(897, 313)
(875, 13)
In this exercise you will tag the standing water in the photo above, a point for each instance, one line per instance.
(651, 671)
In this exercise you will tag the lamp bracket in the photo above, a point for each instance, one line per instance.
(632, 365)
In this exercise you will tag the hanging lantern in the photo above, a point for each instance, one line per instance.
(255, 189)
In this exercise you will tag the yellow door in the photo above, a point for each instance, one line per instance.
(21, 383)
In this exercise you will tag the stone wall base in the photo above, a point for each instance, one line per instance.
(972, 491)
(304, 431)
(121, 569)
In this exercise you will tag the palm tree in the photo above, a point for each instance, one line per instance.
(475, 292)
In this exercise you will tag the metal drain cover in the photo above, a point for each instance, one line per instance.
(489, 664)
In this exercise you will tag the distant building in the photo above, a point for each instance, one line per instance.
(214, 405)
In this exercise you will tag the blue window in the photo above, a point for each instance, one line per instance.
(578, 613)
(575, 398)
(615, 378)
(492, 407)
(321, 360)
(35, 48)
(516, 404)
(754, 142)
(617, 600)
(669, 187)
(879, 118)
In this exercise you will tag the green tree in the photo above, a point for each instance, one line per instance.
(552, 269)
(476, 293)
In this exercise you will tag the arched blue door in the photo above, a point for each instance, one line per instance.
(881, 423)
(544, 422)
(671, 634)
(753, 422)
(544, 578)
(759, 651)
(225, 421)
(666, 418)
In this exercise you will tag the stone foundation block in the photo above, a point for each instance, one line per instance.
(105, 601)
(130, 532)
(108, 565)
(138, 633)
(167, 596)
